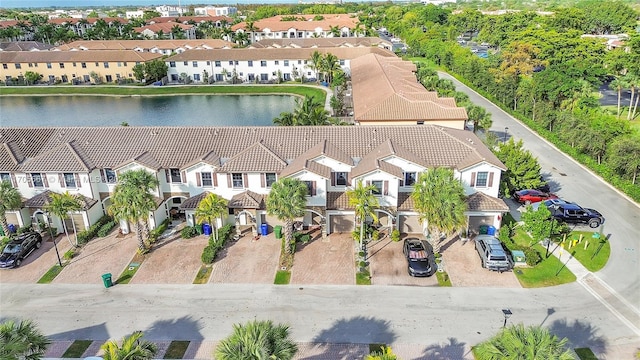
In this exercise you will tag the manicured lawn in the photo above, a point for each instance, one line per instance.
(76, 349)
(176, 349)
(48, 277)
(363, 278)
(443, 279)
(597, 251)
(282, 277)
(203, 274)
(585, 354)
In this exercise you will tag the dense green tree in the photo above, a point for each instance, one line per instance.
(364, 202)
(479, 116)
(610, 17)
(440, 202)
(287, 200)
(523, 169)
(22, 341)
(257, 340)
(138, 72)
(10, 199)
(155, 69)
(132, 348)
(61, 205)
(624, 156)
(539, 223)
(518, 342)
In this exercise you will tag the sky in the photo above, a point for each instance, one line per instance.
(86, 3)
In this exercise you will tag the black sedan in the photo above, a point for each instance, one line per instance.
(420, 259)
(19, 248)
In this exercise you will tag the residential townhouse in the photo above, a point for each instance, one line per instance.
(164, 47)
(73, 67)
(216, 11)
(241, 163)
(167, 30)
(331, 42)
(257, 65)
(301, 27)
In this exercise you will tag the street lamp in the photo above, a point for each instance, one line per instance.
(505, 134)
(507, 313)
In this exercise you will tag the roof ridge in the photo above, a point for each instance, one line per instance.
(10, 152)
(76, 155)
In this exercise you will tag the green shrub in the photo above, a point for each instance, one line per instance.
(532, 255)
(87, 235)
(304, 238)
(3, 242)
(159, 230)
(375, 235)
(211, 250)
(395, 235)
(106, 229)
(83, 237)
(208, 254)
(70, 254)
(189, 232)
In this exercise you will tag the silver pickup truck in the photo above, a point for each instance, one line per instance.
(492, 254)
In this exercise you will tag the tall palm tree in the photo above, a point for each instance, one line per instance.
(618, 84)
(251, 28)
(633, 81)
(61, 205)
(518, 342)
(287, 201)
(211, 208)
(439, 200)
(364, 202)
(316, 63)
(132, 201)
(330, 65)
(132, 348)
(22, 340)
(285, 119)
(257, 340)
(479, 116)
(9, 200)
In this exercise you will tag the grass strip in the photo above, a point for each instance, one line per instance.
(378, 348)
(77, 348)
(443, 279)
(363, 278)
(176, 349)
(591, 252)
(48, 277)
(549, 272)
(585, 354)
(203, 274)
(282, 277)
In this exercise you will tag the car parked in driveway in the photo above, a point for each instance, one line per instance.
(19, 248)
(530, 196)
(421, 261)
(492, 254)
(548, 203)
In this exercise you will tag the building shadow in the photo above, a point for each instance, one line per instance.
(94, 332)
(444, 351)
(184, 328)
(579, 334)
(350, 338)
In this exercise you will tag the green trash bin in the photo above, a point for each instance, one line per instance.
(484, 229)
(278, 231)
(106, 280)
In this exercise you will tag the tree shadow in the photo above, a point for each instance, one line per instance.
(350, 338)
(94, 332)
(579, 334)
(184, 328)
(444, 351)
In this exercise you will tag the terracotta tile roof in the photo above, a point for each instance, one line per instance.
(44, 199)
(193, 202)
(76, 56)
(187, 19)
(405, 201)
(145, 44)
(338, 200)
(386, 89)
(174, 147)
(303, 164)
(67, 157)
(145, 159)
(365, 167)
(274, 54)
(60, 21)
(275, 23)
(482, 202)
(210, 158)
(24, 46)
(164, 27)
(10, 156)
(329, 150)
(332, 42)
(255, 158)
(247, 200)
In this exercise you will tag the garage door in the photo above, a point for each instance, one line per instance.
(341, 223)
(12, 218)
(476, 221)
(410, 224)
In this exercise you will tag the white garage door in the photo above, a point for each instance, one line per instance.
(410, 224)
(341, 223)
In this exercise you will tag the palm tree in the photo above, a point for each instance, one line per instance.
(364, 201)
(330, 65)
(132, 201)
(132, 348)
(211, 208)
(251, 28)
(440, 202)
(518, 342)
(257, 340)
(287, 201)
(316, 63)
(479, 116)
(61, 205)
(618, 84)
(9, 200)
(285, 119)
(633, 81)
(22, 340)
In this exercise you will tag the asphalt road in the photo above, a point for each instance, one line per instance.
(573, 182)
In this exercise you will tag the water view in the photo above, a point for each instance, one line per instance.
(183, 110)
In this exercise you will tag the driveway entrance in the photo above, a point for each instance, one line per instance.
(325, 261)
(389, 266)
(247, 261)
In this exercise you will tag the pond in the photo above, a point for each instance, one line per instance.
(182, 110)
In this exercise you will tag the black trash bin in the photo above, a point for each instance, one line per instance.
(106, 280)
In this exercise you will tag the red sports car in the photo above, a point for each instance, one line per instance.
(530, 196)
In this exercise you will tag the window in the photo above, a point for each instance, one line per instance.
(277, 62)
(341, 178)
(196, 77)
(124, 63)
(109, 78)
(252, 77)
(217, 63)
(48, 65)
(84, 65)
(236, 179)
(37, 180)
(194, 64)
(97, 64)
(208, 62)
(175, 175)
(30, 64)
(263, 63)
(119, 64)
(172, 64)
(69, 180)
(4, 66)
(286, 63)
(310, 187)
(419, 122)
(207, 180)
(237, 62)
(231, 62)
(270, 178)
(109, 176)
(264, 77)
(185, 63)
(250, 63)
(5, 177)
(219, 77)
(61, 65)
(481, 179)
(409, 178)
(106, 65)
(299, 62)
(75, 65)
(86, 78)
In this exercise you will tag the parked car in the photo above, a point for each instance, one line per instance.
(548, 203)
(530, 196)
(19, 248)
(492, 254)
(573, 213)
(421, 261)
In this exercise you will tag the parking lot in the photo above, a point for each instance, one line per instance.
(389, 266)
(325, 261)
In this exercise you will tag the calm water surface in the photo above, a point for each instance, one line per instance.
(183, 110)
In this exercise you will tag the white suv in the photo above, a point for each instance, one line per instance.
(492, 254)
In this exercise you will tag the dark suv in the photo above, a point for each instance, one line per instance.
(572, 213)
(19, 248)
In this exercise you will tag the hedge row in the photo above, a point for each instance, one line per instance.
(210, 251)
(85, 236)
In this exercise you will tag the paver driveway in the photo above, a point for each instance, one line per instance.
(247, 261)
(325, 261)
(389, 266)
(36, 264)
(462, 263)
(110, 254)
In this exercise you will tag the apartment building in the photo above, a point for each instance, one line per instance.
(301, 27)
(164, 47)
